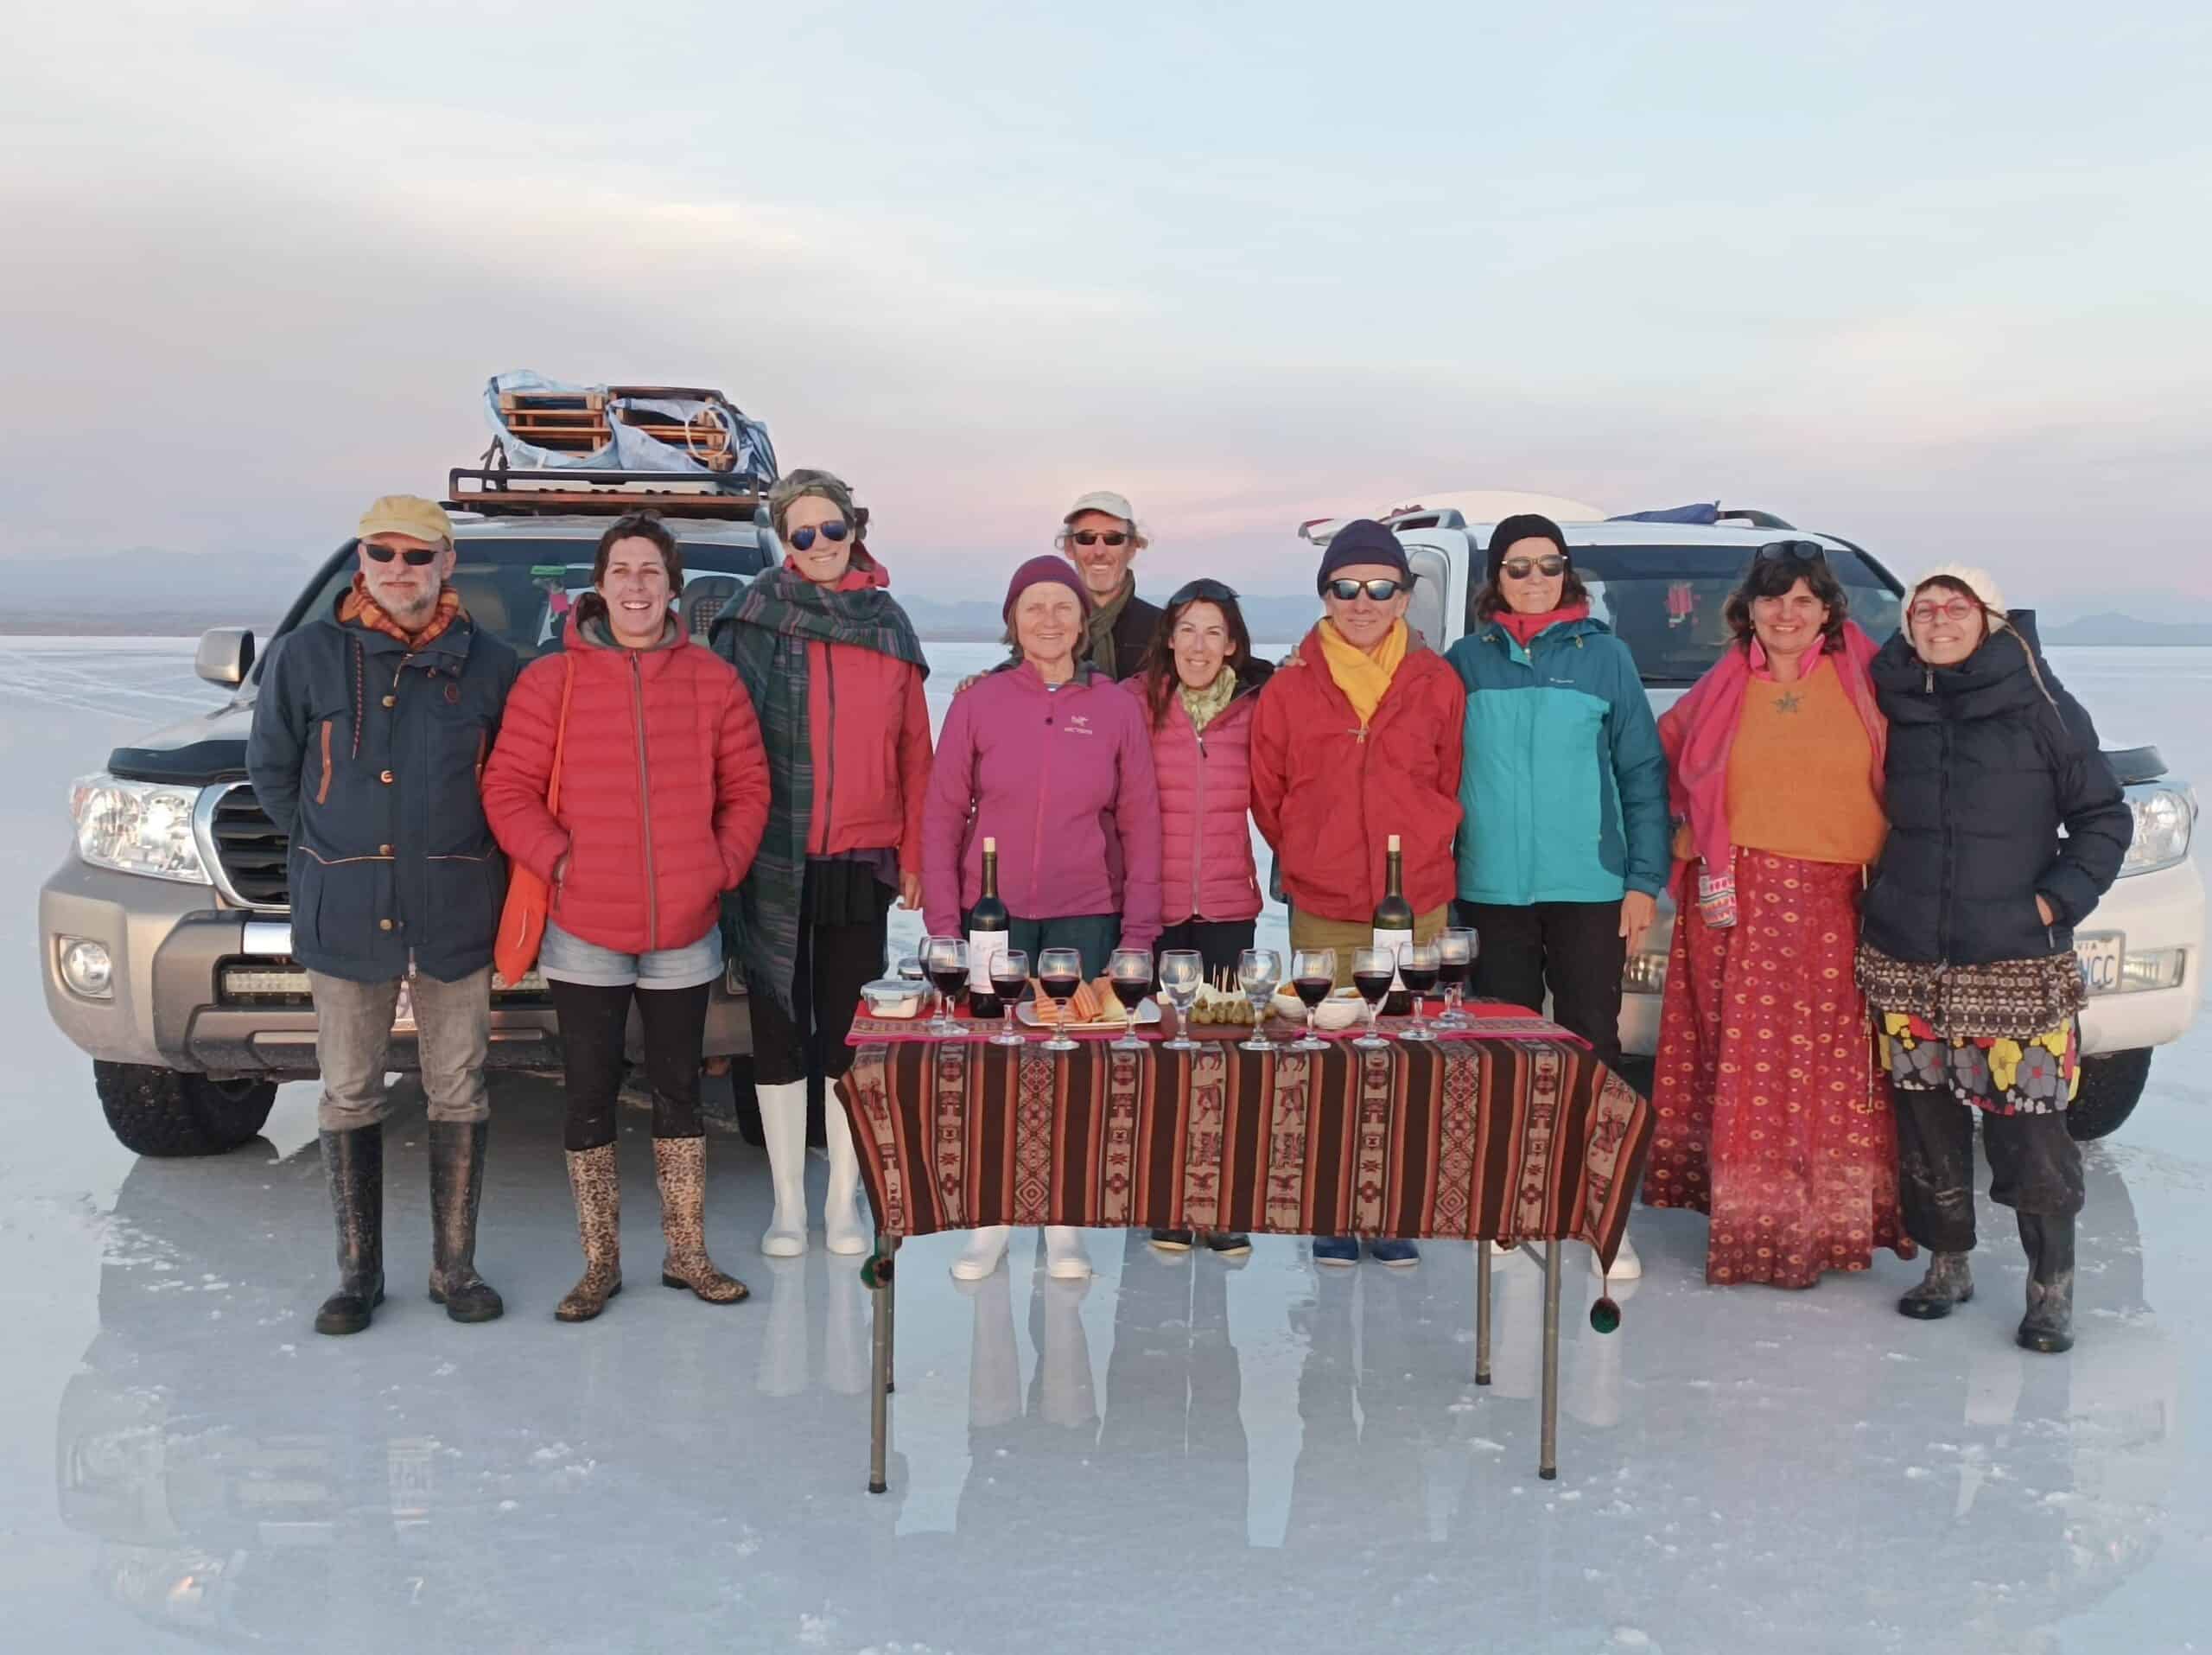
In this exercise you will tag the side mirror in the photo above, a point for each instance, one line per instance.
(225, 655)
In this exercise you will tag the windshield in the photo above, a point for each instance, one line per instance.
(523, 589)
(1665, 602)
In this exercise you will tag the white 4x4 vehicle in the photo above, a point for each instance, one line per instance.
(1660, 586)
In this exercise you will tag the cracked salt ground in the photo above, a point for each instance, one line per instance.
(1175, 1457)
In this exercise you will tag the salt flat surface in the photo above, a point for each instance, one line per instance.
(1177, 1456)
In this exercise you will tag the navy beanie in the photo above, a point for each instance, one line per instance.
(1362, 540)
(1528, 526)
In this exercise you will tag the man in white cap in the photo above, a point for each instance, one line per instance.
(372, 724)
(1100, 537)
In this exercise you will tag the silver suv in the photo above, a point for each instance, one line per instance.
(166, 933)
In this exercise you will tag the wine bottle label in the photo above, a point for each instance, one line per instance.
(1389, 942)
(983, 948)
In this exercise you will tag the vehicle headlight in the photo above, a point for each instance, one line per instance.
(2165, 815)
(138, 827)
(1644, 973)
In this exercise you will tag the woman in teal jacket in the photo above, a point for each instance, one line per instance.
(1564, 846)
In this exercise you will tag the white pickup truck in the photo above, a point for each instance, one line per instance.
(1661, 586)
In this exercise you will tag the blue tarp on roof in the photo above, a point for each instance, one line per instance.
(1700, 512)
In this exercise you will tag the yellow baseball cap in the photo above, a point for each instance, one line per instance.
(408, 514)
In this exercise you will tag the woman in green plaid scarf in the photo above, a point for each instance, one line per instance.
(836, 675)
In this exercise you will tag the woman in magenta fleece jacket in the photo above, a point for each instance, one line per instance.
(1054, 762)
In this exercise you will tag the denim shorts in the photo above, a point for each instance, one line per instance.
(567, 958)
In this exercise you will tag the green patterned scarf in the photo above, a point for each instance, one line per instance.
(764, 634)
(1207, 704)
(1098, 631)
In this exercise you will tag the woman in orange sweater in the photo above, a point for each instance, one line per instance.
(1772, 1118)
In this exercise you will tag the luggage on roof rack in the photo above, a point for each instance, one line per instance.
(545, 425)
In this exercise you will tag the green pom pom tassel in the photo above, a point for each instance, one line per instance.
(1604, 1315)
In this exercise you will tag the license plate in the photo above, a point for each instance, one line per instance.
(2100, 953)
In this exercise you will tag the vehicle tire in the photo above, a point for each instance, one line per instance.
(2111, 1084)
(161, 1112)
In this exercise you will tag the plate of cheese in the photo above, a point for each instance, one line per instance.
(1094, 1006)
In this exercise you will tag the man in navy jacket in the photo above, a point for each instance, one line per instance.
(372, 727)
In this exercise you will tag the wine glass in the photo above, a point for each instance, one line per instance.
(1009, 976)
(946, 959)
(1372, 973)
(1131, 972)
(1418, 964)
(1313, 974)
(1181, 970)
(1258, 970)
(1455, 953)
(1061, 970)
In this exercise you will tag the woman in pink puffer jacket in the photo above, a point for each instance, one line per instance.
(1200, 685)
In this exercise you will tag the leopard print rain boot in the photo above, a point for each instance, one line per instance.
(681, 1164)
(597, 1182)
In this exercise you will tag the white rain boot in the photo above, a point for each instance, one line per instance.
(1065, 1258)
(1627, 1267)
(840, 1216)
(982, 1255)
(783, 1128)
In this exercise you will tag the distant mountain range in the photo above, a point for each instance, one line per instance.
(2111, 628)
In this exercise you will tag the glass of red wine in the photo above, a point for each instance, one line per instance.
(1418, 964)
(1372, 972)
(1131, 972)
(1313, 976)
(946, 959)
(1060, 972)
(1455, 954)
(1009, 976)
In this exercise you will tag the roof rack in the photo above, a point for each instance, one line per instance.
(502, 492)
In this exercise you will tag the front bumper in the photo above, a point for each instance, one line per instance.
(170, 944)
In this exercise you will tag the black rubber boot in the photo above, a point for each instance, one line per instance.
(353, 1162)
(2048, 1325)
(456, 1188)
(1948, 1283)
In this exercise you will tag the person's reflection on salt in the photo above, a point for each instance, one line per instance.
(795, 1286)
(1361, 1469)
(1013, 1448)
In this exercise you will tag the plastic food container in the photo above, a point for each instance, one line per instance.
(1340, 1010)
(891, 997)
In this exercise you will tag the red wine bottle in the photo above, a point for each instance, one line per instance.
(989, 929)
(1393, 927)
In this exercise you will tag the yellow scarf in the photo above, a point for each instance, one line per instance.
(1365, 679)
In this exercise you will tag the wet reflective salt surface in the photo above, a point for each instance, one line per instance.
(1179, 1455)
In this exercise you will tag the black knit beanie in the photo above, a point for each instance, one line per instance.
(1362, 540)
(1526, 525)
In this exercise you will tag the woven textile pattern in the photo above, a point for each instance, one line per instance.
(1508, 1140)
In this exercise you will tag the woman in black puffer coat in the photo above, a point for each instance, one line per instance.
(1966, 942)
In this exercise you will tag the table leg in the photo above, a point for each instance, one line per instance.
(1548, 1450)
(879, 1406)
(1482, 1312)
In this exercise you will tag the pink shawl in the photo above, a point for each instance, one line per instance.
(1699, 732)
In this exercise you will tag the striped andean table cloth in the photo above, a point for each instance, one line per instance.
(1528, 1138)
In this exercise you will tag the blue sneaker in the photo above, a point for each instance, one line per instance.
(1336, 1250)
(1396, 1254)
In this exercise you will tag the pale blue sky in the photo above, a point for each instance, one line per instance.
(1931, 277)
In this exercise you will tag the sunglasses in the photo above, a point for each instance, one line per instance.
(413, 556)
(1092, 538)
(1803, 551)
(1380, 591)
(1519, 569)
(1206, 588)
(803, 539)
(1955, 609)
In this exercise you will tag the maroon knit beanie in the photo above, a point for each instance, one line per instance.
(1037, 570)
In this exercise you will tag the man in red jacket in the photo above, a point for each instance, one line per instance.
(1356, 738)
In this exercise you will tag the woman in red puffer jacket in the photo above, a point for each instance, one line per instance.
(664, 796)
(1199, 686)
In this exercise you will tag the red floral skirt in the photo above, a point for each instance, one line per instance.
(1771, 1116)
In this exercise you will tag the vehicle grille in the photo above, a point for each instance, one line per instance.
(250, 849)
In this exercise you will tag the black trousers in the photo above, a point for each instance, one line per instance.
(592, 1020)
(832, 963)
(1219, 942)
(1575, 949)
(2035, 1167)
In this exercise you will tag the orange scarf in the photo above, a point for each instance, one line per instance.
(356, 607)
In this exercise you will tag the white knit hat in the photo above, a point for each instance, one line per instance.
(1979, 582)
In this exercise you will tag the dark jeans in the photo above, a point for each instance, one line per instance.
(1575, 949)
(2035, 1167)
(1092, 935)
(1219, 942)
(831, 963)
(593, 1019)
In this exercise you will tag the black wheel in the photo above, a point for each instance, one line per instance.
(2111, 1084)
(160, 1112)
